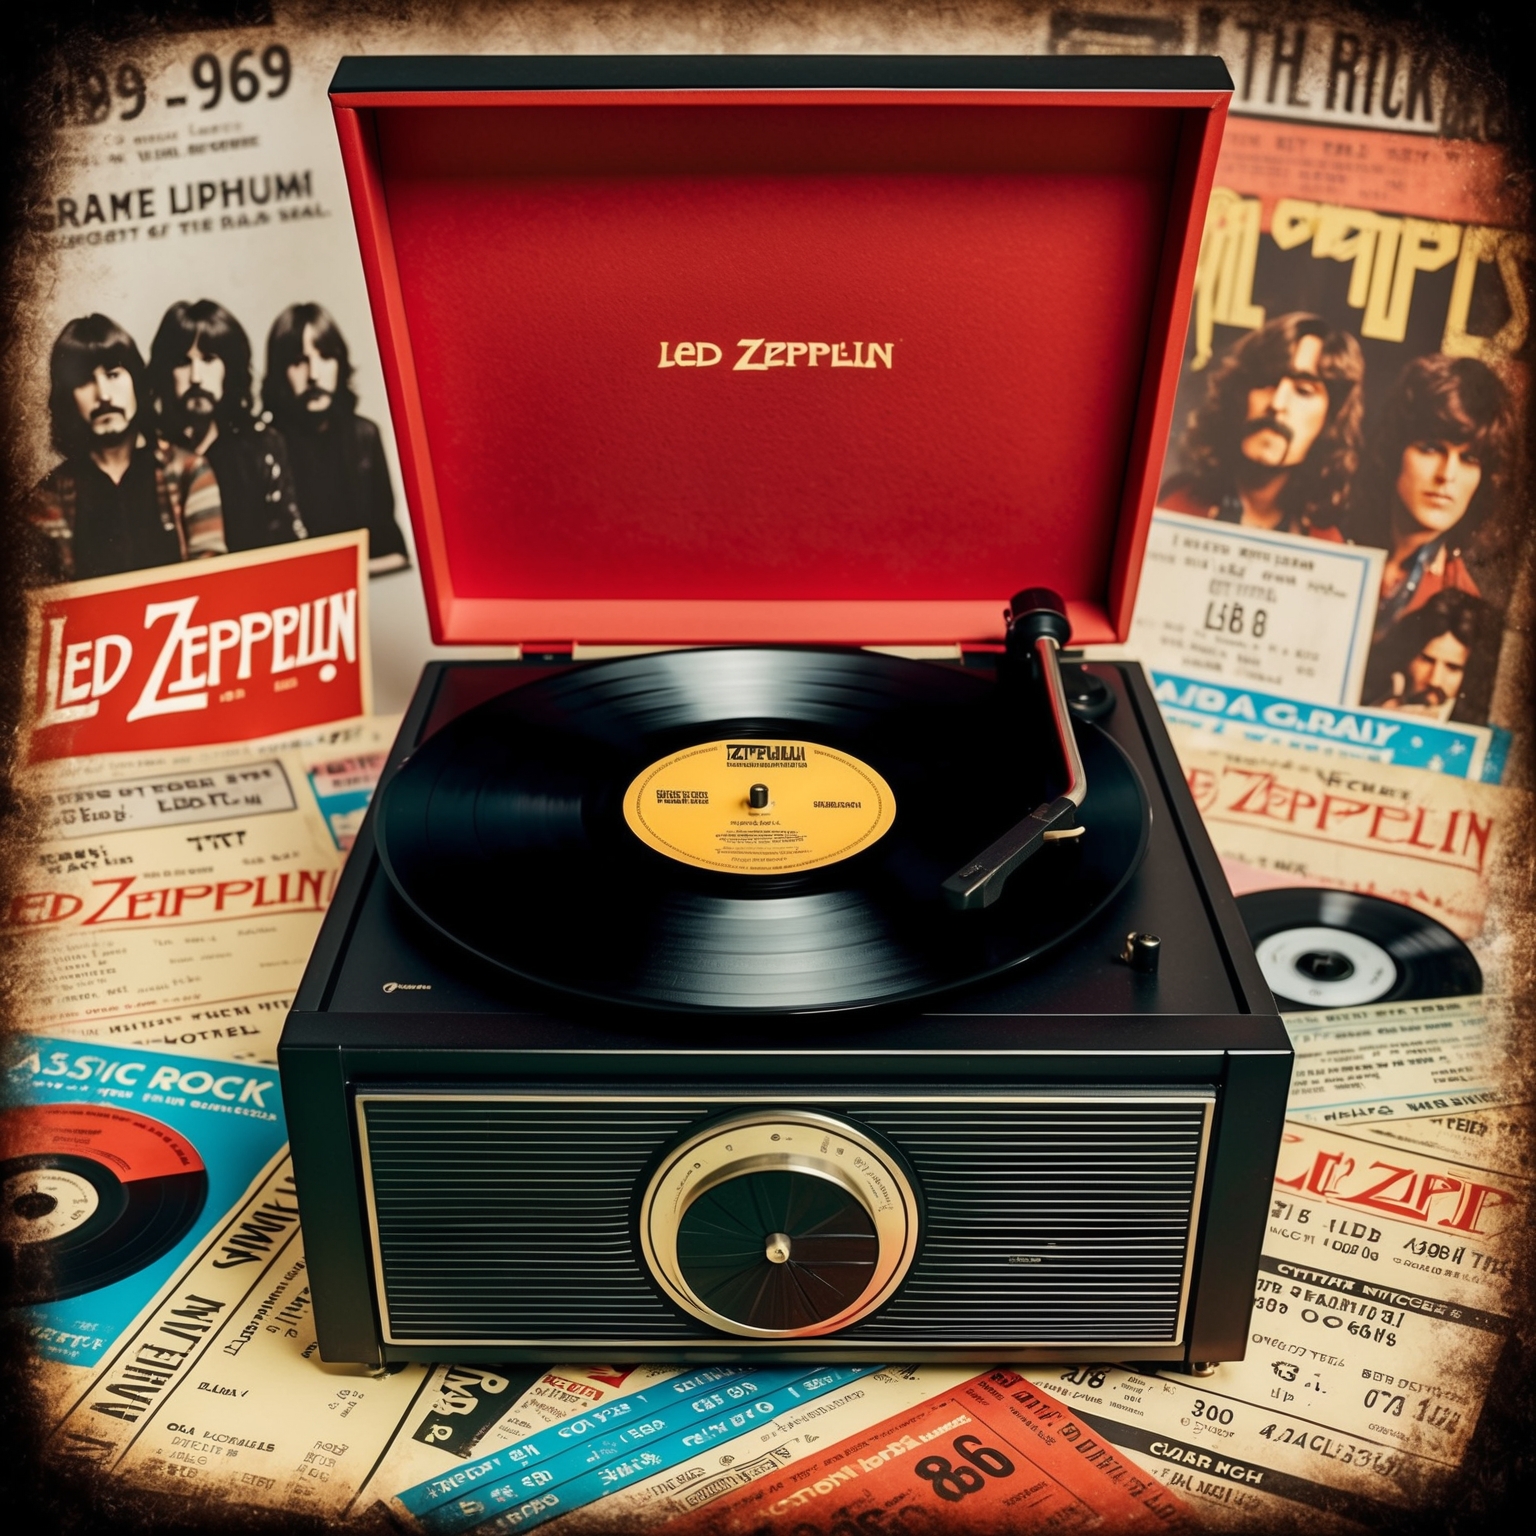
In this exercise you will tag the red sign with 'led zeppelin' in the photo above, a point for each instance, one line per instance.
(233, 649)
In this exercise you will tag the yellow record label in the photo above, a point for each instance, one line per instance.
(817, 806)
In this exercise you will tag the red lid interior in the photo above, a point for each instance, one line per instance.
(1025, 257)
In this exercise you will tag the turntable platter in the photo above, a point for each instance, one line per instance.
(749, 830)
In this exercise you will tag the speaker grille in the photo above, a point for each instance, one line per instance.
(1059, 1220)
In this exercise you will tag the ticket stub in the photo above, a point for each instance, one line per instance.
(584, 1459)
(343, 787)
(1279, 612)
(804, 1431)
(992, 1453)
(468, 1410)
(453, 1500)
(1380, 1309)
(1380, 735)
(218, 1388)
(1361, 1065)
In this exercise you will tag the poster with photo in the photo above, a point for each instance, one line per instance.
(1354, 379)
(211, 379)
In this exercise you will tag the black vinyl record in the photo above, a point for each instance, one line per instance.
(1334, 949)
(93, 1195)
(523, 830)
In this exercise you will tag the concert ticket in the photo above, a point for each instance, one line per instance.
(1279, 612)
(991, 1453)
(803, 1432)
(452, 1501)
(1380, 735)
(218, 1387)
(1380, 1310)
(466, 1410)
(632, 1438)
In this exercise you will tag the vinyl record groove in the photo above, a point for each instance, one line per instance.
(571, 832)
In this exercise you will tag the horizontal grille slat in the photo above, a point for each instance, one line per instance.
(1051, 1222)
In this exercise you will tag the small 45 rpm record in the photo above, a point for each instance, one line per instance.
(750, 830)
(92, 1194)
(1335, 949)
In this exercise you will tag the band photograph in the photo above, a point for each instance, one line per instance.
(181, 454)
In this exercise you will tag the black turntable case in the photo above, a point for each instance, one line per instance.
(1091, 1144)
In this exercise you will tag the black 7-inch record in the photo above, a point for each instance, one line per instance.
(750, 831)
(1335, 949)
(91, 1195)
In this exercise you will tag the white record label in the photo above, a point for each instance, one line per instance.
(45, 1203)
(1326, 967)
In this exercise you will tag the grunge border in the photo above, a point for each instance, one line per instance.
(1486, 45)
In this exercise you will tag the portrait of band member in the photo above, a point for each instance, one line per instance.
(120, 500)
(1433, 479)
(1438, 661)
(338, 460)
(200, 373)
(1276, 442)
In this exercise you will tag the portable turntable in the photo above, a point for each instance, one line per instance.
(708, 985)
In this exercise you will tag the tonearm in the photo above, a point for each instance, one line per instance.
(1037, 629)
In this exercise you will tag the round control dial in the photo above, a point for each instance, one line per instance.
(779, 1224)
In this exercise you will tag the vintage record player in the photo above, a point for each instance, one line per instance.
(791, 956)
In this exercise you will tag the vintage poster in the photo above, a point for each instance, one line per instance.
(119, 1163)
(198, 248)
(1383, 1300)
(203, 250)
(185, 892)
(174, 897)
(1441, 846)
(218, 1388)
(1353, 382)
(266, 644)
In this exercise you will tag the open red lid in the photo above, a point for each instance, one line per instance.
(836, 349)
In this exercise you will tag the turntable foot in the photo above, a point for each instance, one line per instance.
(1198, 1368)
